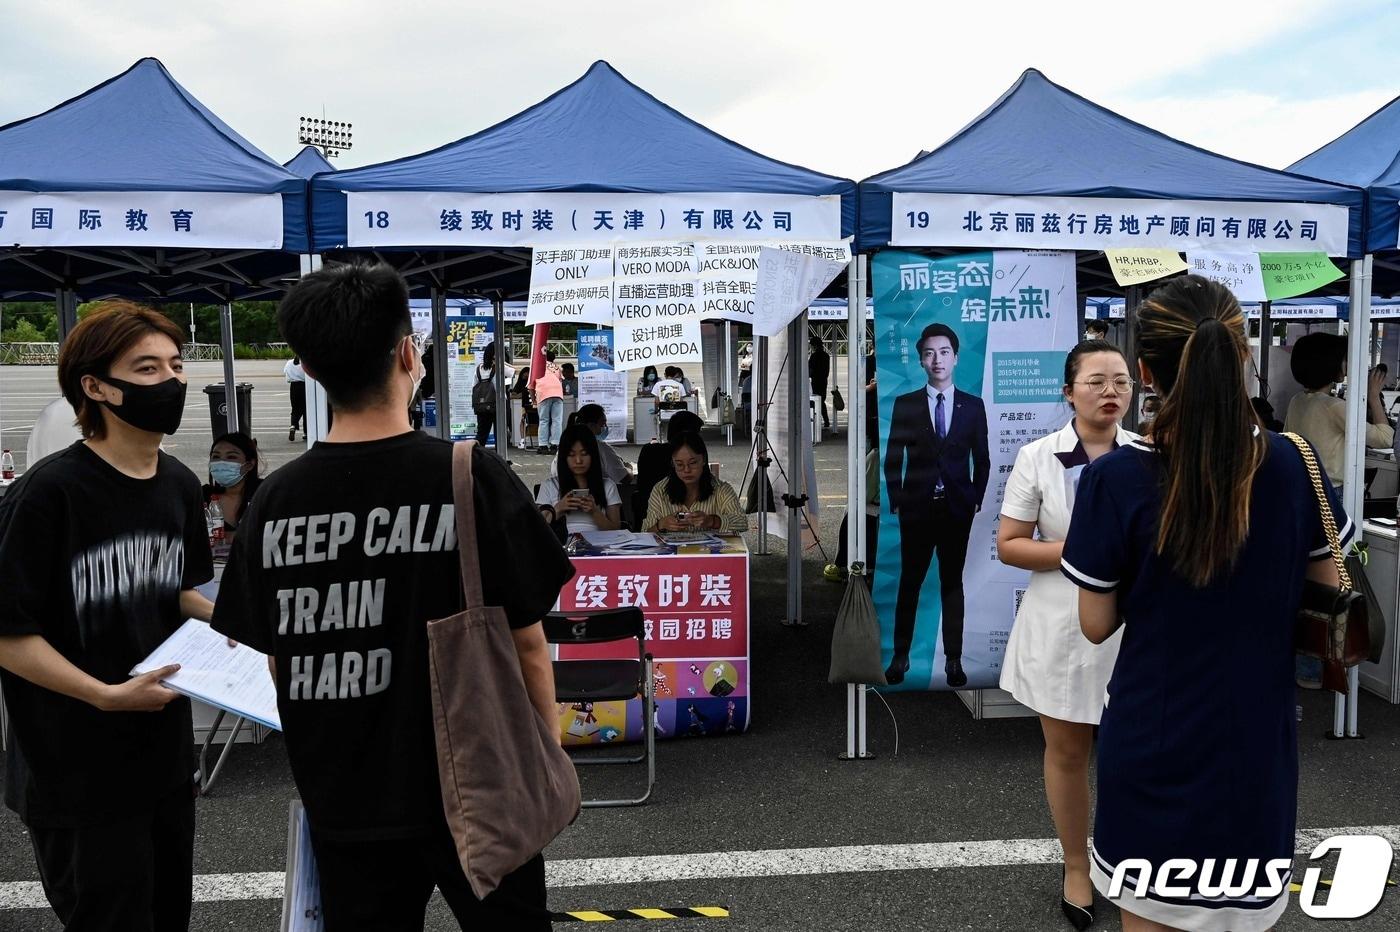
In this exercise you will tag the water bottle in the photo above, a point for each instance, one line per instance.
(214, 515)
(7, 465)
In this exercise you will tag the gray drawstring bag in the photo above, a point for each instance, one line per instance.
(855, 641)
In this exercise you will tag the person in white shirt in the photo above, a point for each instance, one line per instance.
(595, 419)
(296, 384)
(671, 388)
(1319, 362)
(1050, 666)
(579, 497)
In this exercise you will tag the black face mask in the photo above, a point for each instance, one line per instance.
(157, 408)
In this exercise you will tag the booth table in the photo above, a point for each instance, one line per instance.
(1383, 572)
(696, 604)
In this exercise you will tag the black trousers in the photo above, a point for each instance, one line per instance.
(872, 544)
(385, 885)
(819, 389)
(298, 390)
(919, 540)
(131, 875)
(485, 421)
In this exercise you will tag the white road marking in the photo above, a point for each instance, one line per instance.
(720, 865)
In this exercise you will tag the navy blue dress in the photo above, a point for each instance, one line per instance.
(1198, 750)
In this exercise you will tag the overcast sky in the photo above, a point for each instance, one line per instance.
(846, 88)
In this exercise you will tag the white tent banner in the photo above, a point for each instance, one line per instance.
(1001, 221)
(787, 283)
(446, 218)
(176, 219)
(1279, 312)
(1241, 272)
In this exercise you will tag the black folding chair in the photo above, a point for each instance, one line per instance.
(607, 680)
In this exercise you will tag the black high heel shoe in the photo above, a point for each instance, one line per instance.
(1081, 917)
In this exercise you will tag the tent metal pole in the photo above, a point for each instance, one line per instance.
(1130, 347)
(66, 307)
(1266, 343)
(799, 421)
(760, 440)
(855, 441)
(230, 385)
(498, 309)
(729, 377)
(1354, 461)
(442, 376)
(318, 407)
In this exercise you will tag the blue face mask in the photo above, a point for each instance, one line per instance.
(225, 473)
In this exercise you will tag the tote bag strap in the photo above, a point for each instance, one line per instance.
(465, 504)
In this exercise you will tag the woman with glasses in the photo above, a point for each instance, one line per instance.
(691, 498)
(1050, 666)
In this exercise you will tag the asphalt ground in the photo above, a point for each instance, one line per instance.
(973, 785)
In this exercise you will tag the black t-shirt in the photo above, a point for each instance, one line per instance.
(94, 561)
(342, 559)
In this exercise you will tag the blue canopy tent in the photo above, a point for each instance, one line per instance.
(600, 160)
(1046, 154)
(134, 187)
(309, 161)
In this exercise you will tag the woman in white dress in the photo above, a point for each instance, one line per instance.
(1050, 666)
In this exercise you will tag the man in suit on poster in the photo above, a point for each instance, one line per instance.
(936, 471)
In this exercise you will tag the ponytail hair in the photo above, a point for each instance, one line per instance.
(1191, 336)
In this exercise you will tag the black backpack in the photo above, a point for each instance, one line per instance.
(484, 394)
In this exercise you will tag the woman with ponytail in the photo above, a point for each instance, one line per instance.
(1196, 540)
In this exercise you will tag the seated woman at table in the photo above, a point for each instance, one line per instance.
(691, 498)
(233, 476)
(648, 381)
(579, 496)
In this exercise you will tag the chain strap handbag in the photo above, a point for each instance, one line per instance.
(1333, 623)
(508, 787)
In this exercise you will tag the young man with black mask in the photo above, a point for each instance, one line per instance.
(342, 559)
(101, 547)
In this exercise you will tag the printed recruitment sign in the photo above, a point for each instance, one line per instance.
(445, 218)
(141, 218)
(1293, 273)
(1114, 223)
(1135, 266)
(988, 333)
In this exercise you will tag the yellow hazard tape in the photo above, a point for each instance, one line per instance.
(623, 915)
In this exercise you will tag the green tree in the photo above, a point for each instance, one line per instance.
(22, 332)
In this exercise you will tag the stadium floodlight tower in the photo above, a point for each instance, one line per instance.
(330, 136)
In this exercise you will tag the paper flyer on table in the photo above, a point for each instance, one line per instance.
(234, 679)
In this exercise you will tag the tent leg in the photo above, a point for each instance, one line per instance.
(442, 376)
(1266, 343)
(1354, 463)
(67, 307)
(502, 431)
(230, 386)
(729, 377)
(799, 421)
(318, 407)
(760, 439)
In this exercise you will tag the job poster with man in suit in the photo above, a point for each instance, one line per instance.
(970, 352)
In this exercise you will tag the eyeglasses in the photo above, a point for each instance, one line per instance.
(1122, 385)
(686, 465)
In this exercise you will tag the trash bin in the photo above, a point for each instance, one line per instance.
(218, 408)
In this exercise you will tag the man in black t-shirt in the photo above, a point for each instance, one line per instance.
(341, 560)
(101, 546)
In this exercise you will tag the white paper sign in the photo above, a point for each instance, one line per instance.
(141, 218)
(1293, 311)
(656, 323)
(1238, 271)
(584, 303)
(1102, 223)
(787, 283)
(729, 274)
(445, 218)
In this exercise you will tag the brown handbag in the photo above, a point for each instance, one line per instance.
(1332, 622)
(508, 787)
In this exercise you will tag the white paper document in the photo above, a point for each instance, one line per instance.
(234, 679)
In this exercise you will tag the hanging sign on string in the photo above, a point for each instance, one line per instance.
(571, 284)
(1288, 274)
(1238, 271)
(787, 283)
(1135, 266)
